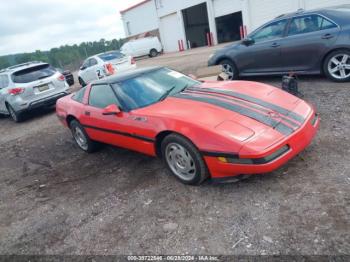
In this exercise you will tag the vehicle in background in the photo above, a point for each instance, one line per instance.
(305, 42)
(150, 46)
(30, 85)
(68, 76)
(223, 130)
(103, 65)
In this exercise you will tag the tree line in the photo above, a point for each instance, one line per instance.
(65, 57)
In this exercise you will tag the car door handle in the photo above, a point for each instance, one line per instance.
(275, 45)
(327, 36)
(87, 113)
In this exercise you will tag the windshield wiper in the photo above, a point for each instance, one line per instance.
(166, 94)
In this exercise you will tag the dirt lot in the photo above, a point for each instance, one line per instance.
(55, 199)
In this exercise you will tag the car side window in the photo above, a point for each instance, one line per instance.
(102, 96)
(79, 95)
(270, 31)
(1, 82)
(5, 81)
(92, 62)
(308, 24)
(86, 64)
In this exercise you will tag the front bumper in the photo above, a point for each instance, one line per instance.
(297, 142)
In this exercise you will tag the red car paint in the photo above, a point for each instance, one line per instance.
(213, 129)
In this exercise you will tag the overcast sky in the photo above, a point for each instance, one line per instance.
(29, 25)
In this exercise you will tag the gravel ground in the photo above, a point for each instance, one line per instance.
(55, 199)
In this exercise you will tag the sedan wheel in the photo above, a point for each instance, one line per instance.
(180, 161)
(183, 159)
(81, 138)
(229, 69)
(337, 66)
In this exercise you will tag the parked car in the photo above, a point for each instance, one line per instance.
(103, 65)
(217, 129)
(305, 42)
(27, 86)
(68, 76)
(150, 46)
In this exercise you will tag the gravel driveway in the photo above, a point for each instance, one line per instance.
(55, 199)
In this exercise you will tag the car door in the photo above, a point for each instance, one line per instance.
(307, 40)
(92, 70)
(119, 130)
(264, 53)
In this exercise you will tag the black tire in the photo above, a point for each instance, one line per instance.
(153, 53)
(16, 116)
(91, 146)
(81, 82)
(230, 69)
(201, 172)
(328, 65)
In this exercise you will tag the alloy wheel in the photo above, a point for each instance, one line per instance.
(180, 161)
(80, 138)
(228, 70)
(339, 66)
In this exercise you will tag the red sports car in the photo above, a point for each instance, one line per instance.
(212, 129)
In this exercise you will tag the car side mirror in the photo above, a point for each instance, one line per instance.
(82, 68)
(111, 110)
(248, 41)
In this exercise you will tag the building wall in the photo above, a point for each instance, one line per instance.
(140, 19)
(167, 15)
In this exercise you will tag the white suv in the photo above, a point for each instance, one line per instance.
(27, 86)
(105, 64)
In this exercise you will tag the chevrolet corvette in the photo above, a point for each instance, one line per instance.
(217, 130)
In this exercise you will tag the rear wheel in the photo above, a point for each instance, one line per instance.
(16, 116)
(229, 68)
(81, 82)
(81, 138)
(183, 160)
(337, 66)
(153, 53)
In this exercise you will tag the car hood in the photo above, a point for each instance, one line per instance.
(239, 109)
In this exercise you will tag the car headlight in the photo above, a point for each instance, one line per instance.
(211, 56)
(255, 161)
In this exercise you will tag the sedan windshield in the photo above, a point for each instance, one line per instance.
(151, 87)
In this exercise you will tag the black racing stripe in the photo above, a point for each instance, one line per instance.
(254, 100)
(147, 139)
(250, 105)
(282, 128)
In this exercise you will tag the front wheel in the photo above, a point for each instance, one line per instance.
(229, 68)
(183, 160)
(337, 66)
(81, 138)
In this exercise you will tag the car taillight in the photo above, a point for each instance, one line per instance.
(16, 91)
(61, 77)
(109, 69)
(133, 61)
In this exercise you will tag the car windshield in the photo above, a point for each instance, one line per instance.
(151, 87)
(111, 56)
(33, 73)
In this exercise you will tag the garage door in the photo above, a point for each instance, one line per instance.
(225, 7)
(170, 32)
(263, 11)
(310, 4)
